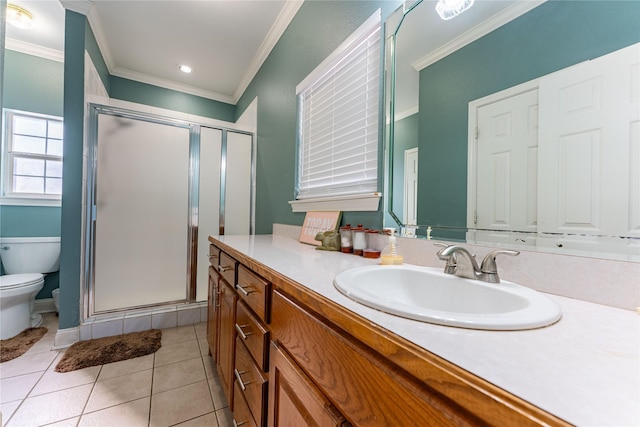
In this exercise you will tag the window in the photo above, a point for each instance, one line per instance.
(32, 152)
(338, 109)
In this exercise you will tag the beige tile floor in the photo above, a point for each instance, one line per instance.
(176, 386)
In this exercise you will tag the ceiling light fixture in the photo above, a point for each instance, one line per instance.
(448, 9)
(19, 17)
(184, 68)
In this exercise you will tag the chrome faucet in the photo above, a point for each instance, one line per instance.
(462, 263)
(452, 264)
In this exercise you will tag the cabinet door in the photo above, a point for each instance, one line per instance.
(294, 401)
(227, 338)
(213, 314)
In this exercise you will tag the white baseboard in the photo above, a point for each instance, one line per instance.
(44, 305)
(66, 337)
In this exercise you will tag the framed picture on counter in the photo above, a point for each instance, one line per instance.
(317, 221)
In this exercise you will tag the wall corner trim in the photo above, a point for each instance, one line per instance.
(66, 337)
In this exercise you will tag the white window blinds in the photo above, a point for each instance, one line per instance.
(338, 119)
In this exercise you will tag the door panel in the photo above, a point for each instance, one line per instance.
(507, 164)
(589, 127)
(141, 223)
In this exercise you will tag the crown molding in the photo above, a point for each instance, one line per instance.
(493, 23)
(168, 84)
(101, 39)
(34, 50)
(79, 6)
(282, 22)
(285, 17)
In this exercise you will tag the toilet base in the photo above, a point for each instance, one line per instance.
(16, 307)
(36, 320)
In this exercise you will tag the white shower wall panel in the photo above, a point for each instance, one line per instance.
(208, 203)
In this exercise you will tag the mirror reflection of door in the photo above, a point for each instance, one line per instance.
(410, 208)
(507, 141)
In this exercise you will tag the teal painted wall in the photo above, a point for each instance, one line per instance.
(317, 30)
(71, 223)
(35, 85)
(553, 36)
(32, 84)
(405, 137)
(129, 90)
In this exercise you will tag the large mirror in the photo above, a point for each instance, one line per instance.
(440, 77)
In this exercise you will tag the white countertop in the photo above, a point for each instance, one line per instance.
(584, 369)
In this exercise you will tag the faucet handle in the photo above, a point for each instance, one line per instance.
(489, 262)
(443, 246)
(452, 262)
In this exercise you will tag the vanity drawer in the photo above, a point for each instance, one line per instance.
(214, 255)
(359, 381)
(251, 383)
(255, 291)
(241, 413)
(254, 336)
(227, 268)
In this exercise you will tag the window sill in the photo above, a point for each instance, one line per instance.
(29, 201)
(362, 203)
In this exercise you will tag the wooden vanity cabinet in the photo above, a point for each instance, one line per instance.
(368, 390)
(213, 302)
(238, 309)
(227, 339)
(293, 398)
(213, 313)
(252, 383)
(330, 367)
(255, 292)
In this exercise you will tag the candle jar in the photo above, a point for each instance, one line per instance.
(359, 240)
(346, 244)
(371, 243)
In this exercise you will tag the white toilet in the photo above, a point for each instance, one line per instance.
(25, 260)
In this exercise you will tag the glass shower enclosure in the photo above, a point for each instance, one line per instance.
(156, 189)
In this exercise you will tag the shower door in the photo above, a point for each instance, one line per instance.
(157, 188)
(141, 214)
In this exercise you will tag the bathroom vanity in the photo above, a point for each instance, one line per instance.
(292, 350)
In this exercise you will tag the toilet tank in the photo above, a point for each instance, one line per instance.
(30, 254)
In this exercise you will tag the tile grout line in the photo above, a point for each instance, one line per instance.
(15, 411)
(93, 387)
(153, 371)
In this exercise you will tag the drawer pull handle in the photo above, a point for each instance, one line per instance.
(213, 256)
(238, 424)
(242, 333)
(243, 290)
(223, 268)
(243, 385)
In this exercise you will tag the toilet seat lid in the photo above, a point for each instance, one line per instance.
(10, 281)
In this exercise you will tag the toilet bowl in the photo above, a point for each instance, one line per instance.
(25, 260)
(17, 295)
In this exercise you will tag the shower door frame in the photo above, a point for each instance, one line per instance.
(88, 277)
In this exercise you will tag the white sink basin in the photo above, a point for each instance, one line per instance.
(429, 295)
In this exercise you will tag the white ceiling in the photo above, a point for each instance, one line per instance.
(223, 41)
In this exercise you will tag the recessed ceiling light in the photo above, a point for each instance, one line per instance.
(19, 17)
(184, 68)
